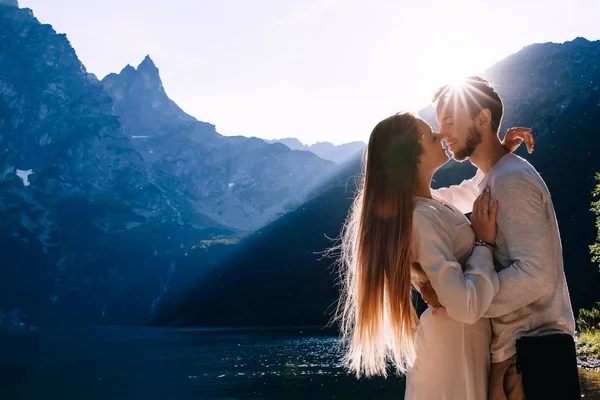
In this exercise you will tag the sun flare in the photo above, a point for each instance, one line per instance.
(462, 89)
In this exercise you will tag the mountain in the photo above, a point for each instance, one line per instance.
(241, 183)
(111, 196)
(278, 276)
(140, 99)
(86, 237)
(12, 3)
(326, 150)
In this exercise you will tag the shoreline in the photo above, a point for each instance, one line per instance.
(585, 360)
(588, 363)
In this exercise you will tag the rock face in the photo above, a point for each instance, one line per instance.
(240, 182)
(76, 201)
(553, 88)
(108, 204)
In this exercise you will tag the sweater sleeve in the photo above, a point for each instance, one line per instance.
(463, 195)
(466, 295)
(525, 220)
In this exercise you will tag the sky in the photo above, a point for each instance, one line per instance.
(316, 70)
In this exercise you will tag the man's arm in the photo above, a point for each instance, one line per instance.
(463, 195)
(525, 220)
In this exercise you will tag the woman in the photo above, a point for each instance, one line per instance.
(394, 222)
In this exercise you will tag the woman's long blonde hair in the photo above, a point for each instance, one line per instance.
(376, 312)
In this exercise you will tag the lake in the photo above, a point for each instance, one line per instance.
(160, 363)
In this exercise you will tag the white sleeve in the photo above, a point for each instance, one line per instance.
(466, 295)
(461, 196)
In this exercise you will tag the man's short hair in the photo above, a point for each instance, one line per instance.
(477, 94)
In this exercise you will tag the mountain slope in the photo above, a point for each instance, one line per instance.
(277, 276)
(112, 196)
(242, 183)
(87, 237)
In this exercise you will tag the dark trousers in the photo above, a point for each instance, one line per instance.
(548, 367)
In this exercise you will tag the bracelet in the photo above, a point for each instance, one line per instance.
(484, 243)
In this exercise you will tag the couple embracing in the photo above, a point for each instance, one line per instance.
(499, 322)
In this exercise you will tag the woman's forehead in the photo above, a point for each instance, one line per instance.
(423, 127)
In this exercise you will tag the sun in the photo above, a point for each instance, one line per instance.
(437, 67)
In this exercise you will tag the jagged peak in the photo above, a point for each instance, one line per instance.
(13, 3)
(147, 64)
(128, 69)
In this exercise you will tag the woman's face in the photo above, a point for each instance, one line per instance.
(434, 155)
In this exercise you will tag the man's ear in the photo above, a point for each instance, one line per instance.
(484, 119)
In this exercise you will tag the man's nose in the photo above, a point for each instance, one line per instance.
(441, 134)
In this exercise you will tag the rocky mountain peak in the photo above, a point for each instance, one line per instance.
(139, 91)
(150, 74)
(148, 64)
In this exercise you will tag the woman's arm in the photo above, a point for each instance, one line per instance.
(465, 295)
(461, 196)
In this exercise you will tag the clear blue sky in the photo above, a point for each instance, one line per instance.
(311, 69)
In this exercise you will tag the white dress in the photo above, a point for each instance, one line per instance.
(453, 343)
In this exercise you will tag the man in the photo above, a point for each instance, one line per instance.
(533, 352)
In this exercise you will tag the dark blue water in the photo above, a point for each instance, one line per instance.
(148, 363)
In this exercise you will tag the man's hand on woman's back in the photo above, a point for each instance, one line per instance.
(425, 289)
